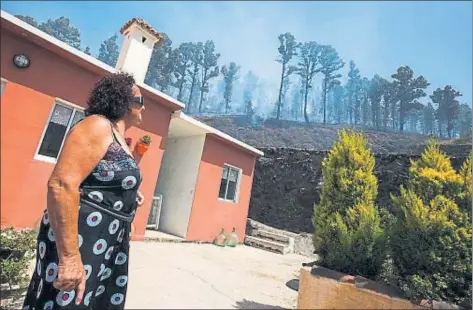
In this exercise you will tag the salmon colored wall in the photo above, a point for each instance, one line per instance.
(23, 179)
(26, 102)
(209, 214)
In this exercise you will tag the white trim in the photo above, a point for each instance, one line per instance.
(209, 129)
(94, 61)
(66, 104)
(69, 104)
(236, 199)
(3, 84)
(47, 159)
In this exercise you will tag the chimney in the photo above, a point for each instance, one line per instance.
(137, 48)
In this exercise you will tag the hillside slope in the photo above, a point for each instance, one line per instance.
(282, 134)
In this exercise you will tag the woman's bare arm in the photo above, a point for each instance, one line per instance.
(84, 147)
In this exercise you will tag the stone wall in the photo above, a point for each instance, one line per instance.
(287, 183)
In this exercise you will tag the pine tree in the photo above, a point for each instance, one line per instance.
(109, 51)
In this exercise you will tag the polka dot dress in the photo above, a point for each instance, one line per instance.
(103, 239)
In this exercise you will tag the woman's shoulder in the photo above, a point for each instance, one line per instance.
(96, 124)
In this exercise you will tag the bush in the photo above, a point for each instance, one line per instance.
(465, 197)
(347, 232)
(18, 248)
(430, 241)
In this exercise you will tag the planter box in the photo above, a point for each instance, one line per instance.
(321, 288)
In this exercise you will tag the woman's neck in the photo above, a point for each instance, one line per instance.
(121, 127)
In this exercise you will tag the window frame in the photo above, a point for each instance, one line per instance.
(237, 186)
(66, 104)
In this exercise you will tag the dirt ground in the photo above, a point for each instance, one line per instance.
(204, 276)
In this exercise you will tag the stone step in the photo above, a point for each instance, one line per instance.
(268, 245)
(264, 234)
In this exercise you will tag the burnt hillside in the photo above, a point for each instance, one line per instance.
(289, 134)
(287, 183)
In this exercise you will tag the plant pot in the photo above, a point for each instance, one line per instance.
(141, 148)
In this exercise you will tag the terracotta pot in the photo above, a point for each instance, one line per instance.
(141, 148)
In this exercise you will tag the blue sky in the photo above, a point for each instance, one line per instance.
(434, 38)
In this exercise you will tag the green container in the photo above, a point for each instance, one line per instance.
(220, 239)
(231, 239)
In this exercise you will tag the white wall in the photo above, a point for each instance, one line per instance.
(176, 182)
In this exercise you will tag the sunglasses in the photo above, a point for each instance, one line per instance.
(139, 99)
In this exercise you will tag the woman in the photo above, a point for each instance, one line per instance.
(83, 242)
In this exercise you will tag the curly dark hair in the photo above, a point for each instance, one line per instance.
(112, 96)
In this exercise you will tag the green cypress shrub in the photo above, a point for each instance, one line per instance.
(430, 241)
(347, 231)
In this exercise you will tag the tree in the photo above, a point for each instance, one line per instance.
(230, 75)
(62, 29)
(347, 232)
(429, 119)
(250, 84)
(182, 66)
(448, 107)
(353, 88)
(87, 50)
(364, 101)
(161, 66)
(249, 109)
(287, 49)
(194, 71)
(297, 95)
(408, 91)
(338, 92)
(210, 70)
(28, 19)
(109, 51)
(430, 239)
(307, 68)
(388, 102)
(330, 63)
(464, 122)
(375, 93)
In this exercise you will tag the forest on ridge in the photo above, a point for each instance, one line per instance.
(310, 86)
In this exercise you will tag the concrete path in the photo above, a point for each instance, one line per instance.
(204, 276)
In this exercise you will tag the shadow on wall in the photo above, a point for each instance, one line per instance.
(248, 304)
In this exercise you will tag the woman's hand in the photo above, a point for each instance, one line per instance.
(71, 275)
(140, 198)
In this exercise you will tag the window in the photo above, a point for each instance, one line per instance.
(229, 183)
(62, 118)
